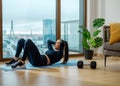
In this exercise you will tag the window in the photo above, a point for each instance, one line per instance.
(33, 19)
(71, 18)
(36, 20)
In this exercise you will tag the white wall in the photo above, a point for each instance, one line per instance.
(108, 9)
(112, 12)
(91, 12)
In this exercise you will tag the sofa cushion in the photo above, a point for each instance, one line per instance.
(114, 33)
(114, 47)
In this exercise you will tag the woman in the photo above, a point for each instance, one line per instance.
(52, 55)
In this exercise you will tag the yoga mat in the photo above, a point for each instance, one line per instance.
(30, 67)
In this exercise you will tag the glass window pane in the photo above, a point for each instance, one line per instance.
(29, 19)
(71, 18)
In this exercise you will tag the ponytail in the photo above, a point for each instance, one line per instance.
(66, 56)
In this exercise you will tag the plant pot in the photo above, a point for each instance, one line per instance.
(88, 54)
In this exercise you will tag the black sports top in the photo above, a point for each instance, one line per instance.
(52, 54)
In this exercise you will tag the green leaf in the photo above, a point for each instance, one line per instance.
(81, 29)
(85, 45)
(85, 32)
(95, 33)
(98, 42)
(97, 23)
(92, 42)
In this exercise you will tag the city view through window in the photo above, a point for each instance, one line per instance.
(36, 20)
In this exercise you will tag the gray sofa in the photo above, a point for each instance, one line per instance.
(109, 50)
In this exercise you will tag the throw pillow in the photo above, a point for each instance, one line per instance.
(114, 32)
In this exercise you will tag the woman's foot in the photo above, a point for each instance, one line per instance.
(11, 62)
(18, 65)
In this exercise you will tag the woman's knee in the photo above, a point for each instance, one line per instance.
(28, 41)
(21, 41)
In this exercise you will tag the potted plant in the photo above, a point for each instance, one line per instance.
(92, 39)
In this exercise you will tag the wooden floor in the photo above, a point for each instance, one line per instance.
(66, 76)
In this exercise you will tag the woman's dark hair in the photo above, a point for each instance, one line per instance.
(66, 51)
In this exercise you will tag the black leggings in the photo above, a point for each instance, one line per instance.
(31, 51)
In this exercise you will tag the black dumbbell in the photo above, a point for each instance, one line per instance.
(93, 64)
(80, 64)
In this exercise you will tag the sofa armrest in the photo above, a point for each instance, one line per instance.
(106, 33)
